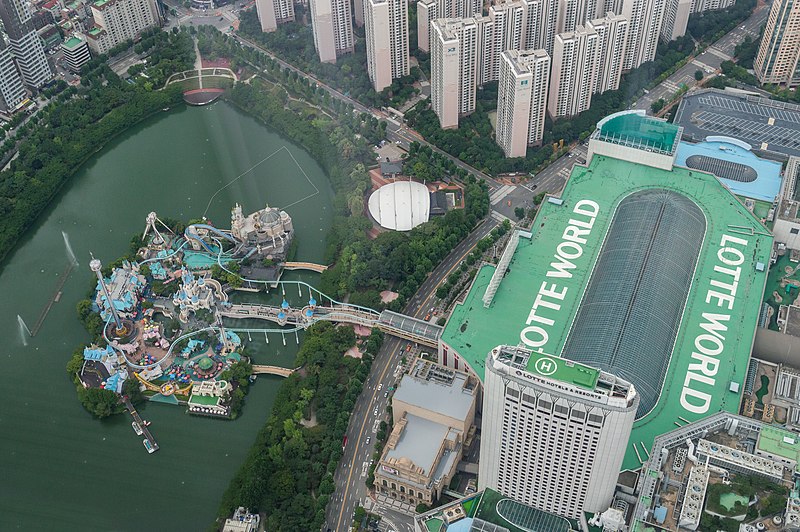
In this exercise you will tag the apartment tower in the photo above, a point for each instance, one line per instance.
(273, 12)
(676, 19)
(120, 20)
(612, 32)
(554, 432)
(576, 59)
(522, 100)
(453, 64)
(333, 28)
(386, 24)
(25, 44)
(430, 10)
(644, 18)
(779, 52)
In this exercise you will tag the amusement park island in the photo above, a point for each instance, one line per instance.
(165, 329)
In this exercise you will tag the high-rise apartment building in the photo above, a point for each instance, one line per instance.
(676, 19)
(522, 100)
(333, 28)
(554, 432)
(612, 31)
(779, 52)
(698, 6)
(117, 21)
(504, 30)
(575, 64)
(12, 90)
(644, 19)
(24, 42)
(273, 12)
(386, 24)
(453, 69)
(430, 10)
(358, 12)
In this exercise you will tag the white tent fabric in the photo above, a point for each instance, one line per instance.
(400, 206)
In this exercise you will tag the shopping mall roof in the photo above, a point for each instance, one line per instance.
(447, 399)
(419, 443)
(735, 165)
(565, 265)
(400, 206)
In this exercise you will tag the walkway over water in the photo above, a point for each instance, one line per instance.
(272, 370)
(305, 266)
(399, 325)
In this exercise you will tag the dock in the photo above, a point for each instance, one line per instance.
(138, 419)
(54, 299)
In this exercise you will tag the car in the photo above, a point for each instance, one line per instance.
(368, 440)
(569, 155)
(375, 412)
(380, 386)
(386, 394)
(397, 142)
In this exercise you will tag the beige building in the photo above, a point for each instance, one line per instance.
(453, 64)
(644, 18)
(430, 10)
(121, 20)
(433, 411)
(779, 52)
(333, 28)
(522, 100)
(676, 19)
(612, 32)
(274, 12)
(386, 24)
(575, 63)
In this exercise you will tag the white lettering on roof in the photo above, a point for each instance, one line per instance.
(709, 345)
(547, 299)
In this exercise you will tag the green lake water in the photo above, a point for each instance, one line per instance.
(63, 470)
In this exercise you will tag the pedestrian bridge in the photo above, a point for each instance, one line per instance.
(272, 370)
(399, 325)
(319, 268)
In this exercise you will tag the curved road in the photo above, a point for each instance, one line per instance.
(350, 484)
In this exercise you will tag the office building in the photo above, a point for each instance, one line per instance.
(676, 19)
(779, 52)
(12, 89)
(273, 12)
(386, 24)
(575, 65)
(433, 411)
(522, 100)
(644, 26)
(453, 65)
(120, 20)
(333, 28)
(430, 10)
(76, 52)
(554, 434)
(612, 33)
(24, 43)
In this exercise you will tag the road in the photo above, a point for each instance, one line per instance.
(350, 478)
(709, 61)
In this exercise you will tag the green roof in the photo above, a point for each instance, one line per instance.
(472, 330)
(206, 400)
(95, 31)
(100, 3)
(564, 370)
(72, 42)
(516, 516)
(780, 443)
(632, 129)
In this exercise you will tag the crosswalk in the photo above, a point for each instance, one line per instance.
(500, 193)
(499, 217)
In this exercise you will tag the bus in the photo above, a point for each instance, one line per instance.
(344, 442)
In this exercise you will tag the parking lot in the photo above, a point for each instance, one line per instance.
(755, 121)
